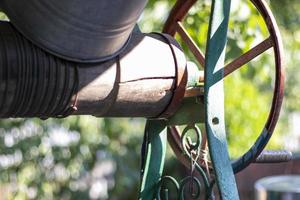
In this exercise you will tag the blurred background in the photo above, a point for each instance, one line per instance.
(90, 158)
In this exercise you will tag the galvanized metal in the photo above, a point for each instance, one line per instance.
(284, 187)
(89, 31)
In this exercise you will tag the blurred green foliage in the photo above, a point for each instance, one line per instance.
(58, 156)
(90, 158)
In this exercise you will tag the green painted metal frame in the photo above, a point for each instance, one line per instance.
(214, 99)
(153, 151)
(155, 141)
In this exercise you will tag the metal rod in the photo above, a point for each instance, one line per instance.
(248, 56)
(191, 43)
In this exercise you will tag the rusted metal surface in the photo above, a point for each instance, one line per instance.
(174, 25)
(34, 83)
(194, 92)
(191, 43)
(174, 140)
(248, 56)
(271, 156)
(181, 80)
(178, 12)
(267, 132)
(191, 141)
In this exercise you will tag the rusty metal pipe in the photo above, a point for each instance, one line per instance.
(140, 82)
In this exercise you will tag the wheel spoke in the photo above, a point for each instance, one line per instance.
(248, 56)
(191, 43)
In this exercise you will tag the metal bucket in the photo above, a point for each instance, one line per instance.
(278, 188)
(83, 31)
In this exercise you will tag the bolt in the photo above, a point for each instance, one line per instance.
(215, 120)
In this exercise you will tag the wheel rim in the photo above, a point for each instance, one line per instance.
(173, 25)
